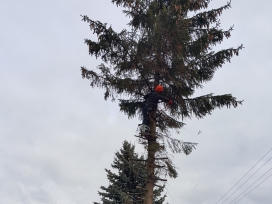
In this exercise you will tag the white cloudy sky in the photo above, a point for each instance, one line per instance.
(57, 134)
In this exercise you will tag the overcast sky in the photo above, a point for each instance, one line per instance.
(57, 134)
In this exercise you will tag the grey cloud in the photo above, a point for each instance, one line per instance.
(57, 134)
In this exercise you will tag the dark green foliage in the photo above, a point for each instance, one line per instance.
(170, 42)
(164, 46)
(127, 182)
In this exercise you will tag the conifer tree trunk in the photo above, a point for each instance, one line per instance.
(151, 149)
(150, 172)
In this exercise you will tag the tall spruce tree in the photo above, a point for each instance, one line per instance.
(127, 185)
(170, 43)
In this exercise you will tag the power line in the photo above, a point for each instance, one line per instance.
(254, 188)
(250, 186)
(242, 177)
(248, 179)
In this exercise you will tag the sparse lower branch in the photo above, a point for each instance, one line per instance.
(161, 158)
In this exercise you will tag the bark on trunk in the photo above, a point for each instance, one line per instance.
(151, 149)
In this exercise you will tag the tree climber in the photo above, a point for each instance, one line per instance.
(150, 104)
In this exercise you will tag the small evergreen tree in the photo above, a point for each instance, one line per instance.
(170, 43)
(127, 185)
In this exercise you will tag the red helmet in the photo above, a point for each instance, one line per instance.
(159, 88)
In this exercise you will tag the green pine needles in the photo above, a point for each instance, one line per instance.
(170, 42)
(164, 46)
(127, 182)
